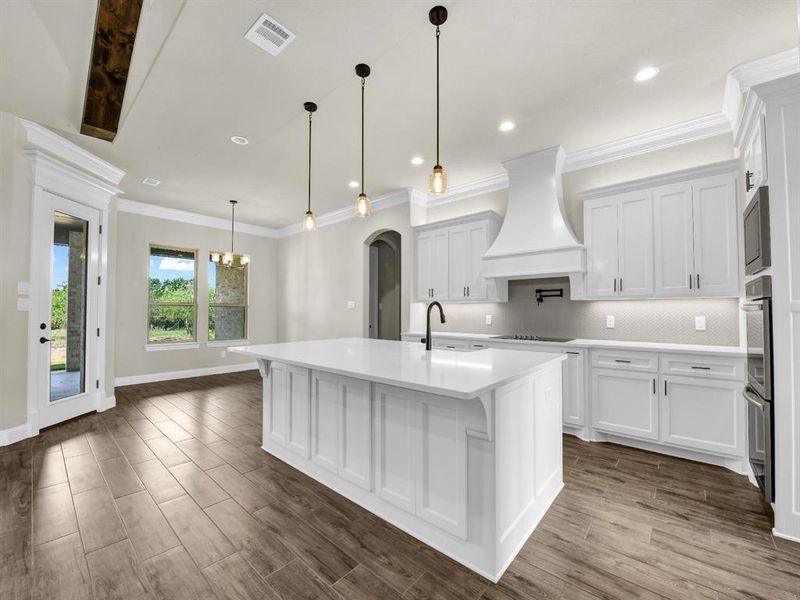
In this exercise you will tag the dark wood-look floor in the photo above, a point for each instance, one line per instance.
(170, 496)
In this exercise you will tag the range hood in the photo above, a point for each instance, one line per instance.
(536, 239)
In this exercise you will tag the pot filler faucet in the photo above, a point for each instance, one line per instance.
(428, 325)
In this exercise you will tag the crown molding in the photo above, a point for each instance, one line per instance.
(54, 144)
(657, 139)
(62, 179)
(718, 168)
(767, 69)
(182, 216)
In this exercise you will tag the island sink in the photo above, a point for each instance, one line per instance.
(460, 450)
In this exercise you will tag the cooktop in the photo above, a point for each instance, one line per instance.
(532, 338)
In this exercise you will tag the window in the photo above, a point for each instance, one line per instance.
(227, 300)
(172, 300)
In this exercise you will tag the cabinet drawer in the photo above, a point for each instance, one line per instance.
(634, 361)
(696, 365)
(451, 344)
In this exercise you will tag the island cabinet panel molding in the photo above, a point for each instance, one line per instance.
(115, 33)
(460, 450)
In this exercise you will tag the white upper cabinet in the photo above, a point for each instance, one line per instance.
(619, 245)
(674, 240)
(671, 240)
(450, 259)
(635, 243)
(716, 254)
(600, 225)
(751, 140)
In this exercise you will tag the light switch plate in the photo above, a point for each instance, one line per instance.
(488, 319)
(23, 288)
(23, 304)
(699, 323)
(351, 305)
(610, 322)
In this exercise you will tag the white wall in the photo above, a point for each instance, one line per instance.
(320, 272)
(135, 233)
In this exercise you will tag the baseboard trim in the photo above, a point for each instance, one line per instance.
(785, 536)
(167, 375)
(14, 434)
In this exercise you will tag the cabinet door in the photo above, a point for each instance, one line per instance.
(395, 446)
(625, 403)
(600, 224)
(355, 428)
(674, 242)
(424, 257)
(573, 389)
(325, 420)
(755, 159)
(440, 258)
(635, 244)
(298, 413)
(275, 410)
(716, 255)
(478, 234)
(458, 261)
(703, 414)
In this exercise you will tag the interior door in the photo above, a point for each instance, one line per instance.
(635, 239)
(66, 308)
(674, 245)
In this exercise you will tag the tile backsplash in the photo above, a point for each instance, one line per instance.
(668, 321)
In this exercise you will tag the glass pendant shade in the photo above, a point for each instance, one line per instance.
(215, 257)
(309, 221)
(362, 205)
(438, 180)
(244, 259)
(227, 259)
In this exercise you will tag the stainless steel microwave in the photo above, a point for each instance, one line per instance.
(757, 254)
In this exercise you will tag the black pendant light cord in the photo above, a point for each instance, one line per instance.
(363, 80)
(309, 161)
(233, 216)
(437, 94)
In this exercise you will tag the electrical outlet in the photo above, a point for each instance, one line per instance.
(699, 323)
(610, 322)
(488, 319)
(223, 353)
(351, 305)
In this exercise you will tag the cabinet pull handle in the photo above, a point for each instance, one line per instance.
(690, 281)
(698, 280)
(620, 285)
(701, 368)
(665, 387)
(747, 183)
(571, 352)
(615, 285)
(654, 385)
(464, 291)
(467, 290)
(620, 360)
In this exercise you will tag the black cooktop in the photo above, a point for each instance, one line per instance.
(532, 338)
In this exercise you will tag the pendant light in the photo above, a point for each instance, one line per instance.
(229, 259)
(362, 202)
(438, 178)
(309, 220)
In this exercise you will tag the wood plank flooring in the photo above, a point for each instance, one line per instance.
(169, 496)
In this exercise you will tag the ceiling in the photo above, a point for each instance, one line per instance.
(561, 70)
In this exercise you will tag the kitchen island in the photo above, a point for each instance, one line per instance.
(461, 450)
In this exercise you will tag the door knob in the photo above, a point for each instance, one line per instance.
(42, 326)
(43, 340)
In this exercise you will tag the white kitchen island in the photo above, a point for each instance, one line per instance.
(462, 450)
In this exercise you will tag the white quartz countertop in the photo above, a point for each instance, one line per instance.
(463, 375)
(586, 343)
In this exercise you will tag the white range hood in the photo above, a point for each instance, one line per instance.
(536, 240)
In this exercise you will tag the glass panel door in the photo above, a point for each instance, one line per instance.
(68, 297)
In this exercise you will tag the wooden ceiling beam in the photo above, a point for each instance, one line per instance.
(114, 36)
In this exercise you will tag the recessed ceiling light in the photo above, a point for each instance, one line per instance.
(242, 141)
(353, 184)
(646, 74)
(150, 181)
(417, 160)
(506, 126)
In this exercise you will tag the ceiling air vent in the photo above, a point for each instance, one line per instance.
(150, 181)
(269, 35)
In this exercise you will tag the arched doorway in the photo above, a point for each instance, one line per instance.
(384, 285)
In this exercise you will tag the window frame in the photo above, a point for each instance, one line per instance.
(245, 306)
(171, 344)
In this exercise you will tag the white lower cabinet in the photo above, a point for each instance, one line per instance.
(341, 426)
(703, 414)
(625, 403)
(275, 404)
(573, 386)
(298, 411)
(394, 446)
